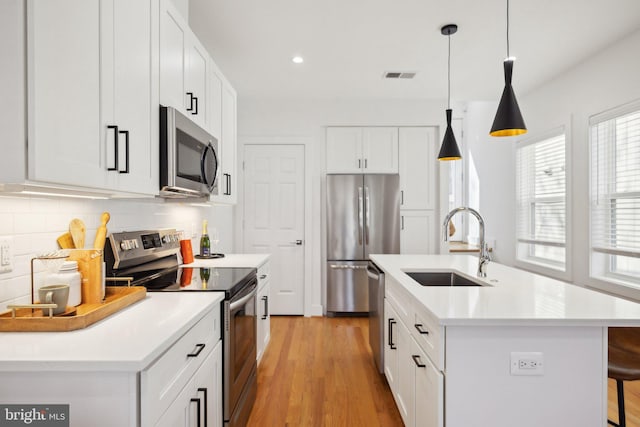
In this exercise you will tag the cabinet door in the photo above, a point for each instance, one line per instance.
(380, 150)
(429, 390)
(417, 166)
(196, 81)
(264, 320)
(198, 400)
(228, 146)
(64, 93)
(417, 232)
(405, 391)
(344, 150)
(173, 39)
(214, 101)
(128, 98)
(391, 320)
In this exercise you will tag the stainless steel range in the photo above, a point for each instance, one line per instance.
(150, 257)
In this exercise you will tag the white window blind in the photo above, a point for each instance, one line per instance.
(541, 202)
(615, 194)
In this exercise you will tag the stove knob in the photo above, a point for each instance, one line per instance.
(124, 245)
(135, 244)
(165, 239)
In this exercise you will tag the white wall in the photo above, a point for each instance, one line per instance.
(604, 81)
(35, 223)
(260, 118)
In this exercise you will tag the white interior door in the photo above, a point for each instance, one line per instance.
(274, 219)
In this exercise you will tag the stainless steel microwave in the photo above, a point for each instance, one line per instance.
(188, 157)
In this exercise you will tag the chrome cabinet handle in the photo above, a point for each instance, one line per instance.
(199, 347)
(416, 360)
(297, 242)
(418, 326)
(266, 307)
(115, 147)
(392, 345)
(365, 163)
(402, 197)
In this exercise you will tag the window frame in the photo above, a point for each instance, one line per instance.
(559, 270)
(602, 260)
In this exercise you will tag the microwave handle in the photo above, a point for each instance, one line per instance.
(203, 171)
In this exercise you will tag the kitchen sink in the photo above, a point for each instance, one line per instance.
(441, 279)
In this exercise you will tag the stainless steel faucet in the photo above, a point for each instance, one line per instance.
(483, 256)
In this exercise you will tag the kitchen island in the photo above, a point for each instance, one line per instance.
(521, 349)
(129, 369)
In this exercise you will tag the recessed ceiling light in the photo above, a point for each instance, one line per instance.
(297, 59)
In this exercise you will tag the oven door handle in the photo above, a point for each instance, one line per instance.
(242, 301)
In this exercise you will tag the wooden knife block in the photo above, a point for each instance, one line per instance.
(90, 268)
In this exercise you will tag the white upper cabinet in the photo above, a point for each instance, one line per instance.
(418, 234)
(362, 150)
(184, 64)
(228, 146)
(380, 150)
(417, 167)
(90, 85)
(64, 99)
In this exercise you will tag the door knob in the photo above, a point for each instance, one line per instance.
(297, 242)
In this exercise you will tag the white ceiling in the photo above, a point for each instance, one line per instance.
(348, 44)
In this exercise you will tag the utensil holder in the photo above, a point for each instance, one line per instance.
(90, 267)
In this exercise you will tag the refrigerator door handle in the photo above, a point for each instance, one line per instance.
(360, 219)
(367, 218)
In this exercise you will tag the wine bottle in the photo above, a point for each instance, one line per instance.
(205, 243)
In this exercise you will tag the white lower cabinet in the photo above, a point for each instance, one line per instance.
(416, 384)
(264, 318)
(200, 401)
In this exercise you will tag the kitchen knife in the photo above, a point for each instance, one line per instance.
(101, 234)
(77, 231)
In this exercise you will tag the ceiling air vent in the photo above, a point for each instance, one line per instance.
(399, 75)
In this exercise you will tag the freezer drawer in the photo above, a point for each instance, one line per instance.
(347, 287)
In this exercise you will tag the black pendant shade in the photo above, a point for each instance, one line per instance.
(508, 120)
(449, 148)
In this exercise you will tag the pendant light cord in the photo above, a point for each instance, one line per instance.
(449, 75)
(508, 56)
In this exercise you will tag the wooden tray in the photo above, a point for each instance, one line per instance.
(32, 320)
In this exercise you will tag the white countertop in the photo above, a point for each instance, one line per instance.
(232, 260)
(128, 340)
(514, 297)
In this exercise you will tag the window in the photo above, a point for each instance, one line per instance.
(541, 201)
(615, 194)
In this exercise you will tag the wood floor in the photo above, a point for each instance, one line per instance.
(320, 372)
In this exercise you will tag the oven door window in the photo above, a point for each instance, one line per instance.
(189, 154)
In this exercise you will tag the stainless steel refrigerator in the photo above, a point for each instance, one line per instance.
(363, 217)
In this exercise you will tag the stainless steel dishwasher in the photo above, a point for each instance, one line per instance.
(376, 313)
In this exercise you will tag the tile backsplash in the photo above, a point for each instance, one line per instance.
(34, 224)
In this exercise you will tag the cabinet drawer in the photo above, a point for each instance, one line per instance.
(399, 299)
(264, 271)
(163, 380)
(429, 335)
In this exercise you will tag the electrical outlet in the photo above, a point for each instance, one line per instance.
(527, 363)
(6, 254)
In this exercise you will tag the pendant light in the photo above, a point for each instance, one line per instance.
(449, 148)
(508, 120)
